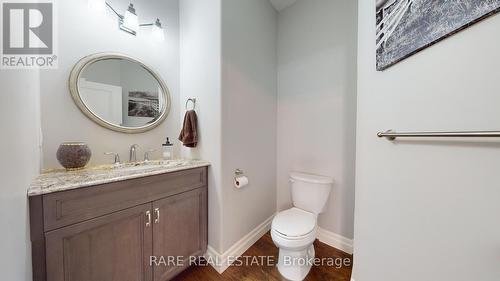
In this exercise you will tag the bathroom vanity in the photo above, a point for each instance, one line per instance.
(106, 223)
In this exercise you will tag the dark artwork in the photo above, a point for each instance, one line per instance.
(405, 27)
(143, 104)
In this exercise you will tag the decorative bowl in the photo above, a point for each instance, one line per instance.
(73, 155)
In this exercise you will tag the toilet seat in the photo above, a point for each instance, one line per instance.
(293, 231)
(294, 224)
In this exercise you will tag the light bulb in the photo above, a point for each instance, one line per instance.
(157, 32)
(130, 20)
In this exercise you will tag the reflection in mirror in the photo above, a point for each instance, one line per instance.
(119, 93)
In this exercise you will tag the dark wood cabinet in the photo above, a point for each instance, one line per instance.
(181, 235)
(109, 232)
(114, 247)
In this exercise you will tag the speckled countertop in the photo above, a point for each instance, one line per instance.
(61, 180)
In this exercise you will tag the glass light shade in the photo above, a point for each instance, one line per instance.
(157, 33)
(97, 5)
(130, 21)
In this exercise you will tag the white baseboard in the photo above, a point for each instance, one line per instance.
(336, 241)
(220, 261)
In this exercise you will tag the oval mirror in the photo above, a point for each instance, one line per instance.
(119, 93)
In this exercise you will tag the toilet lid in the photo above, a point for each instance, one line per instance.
(294, 222)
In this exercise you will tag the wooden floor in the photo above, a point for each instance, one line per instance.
(266, 247)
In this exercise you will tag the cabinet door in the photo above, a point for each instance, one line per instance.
(115, 247)
(179, 230)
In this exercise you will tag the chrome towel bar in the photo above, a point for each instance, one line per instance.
(391, 135)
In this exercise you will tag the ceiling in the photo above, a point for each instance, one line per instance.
(282, 4)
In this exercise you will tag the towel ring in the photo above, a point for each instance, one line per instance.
(193, 100)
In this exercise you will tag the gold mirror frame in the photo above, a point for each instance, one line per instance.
(75, 93)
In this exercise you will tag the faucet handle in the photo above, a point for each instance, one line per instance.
(146, 154)
(117, 157)
(133, 149)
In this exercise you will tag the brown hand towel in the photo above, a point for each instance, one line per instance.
(189, 132)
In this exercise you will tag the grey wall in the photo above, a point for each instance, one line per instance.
(249, 30)
(79, 37)
(428, 209)
(19, 164)
(317, 102)
(228, 62)
(200, 72)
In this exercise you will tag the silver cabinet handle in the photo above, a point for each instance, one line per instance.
(157, 215)
(148, 218)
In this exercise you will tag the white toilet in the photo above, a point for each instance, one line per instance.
(294, 230)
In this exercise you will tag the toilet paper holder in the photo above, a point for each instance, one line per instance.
(238, 172)
(240, 180)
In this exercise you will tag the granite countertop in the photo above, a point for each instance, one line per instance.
(60, 180)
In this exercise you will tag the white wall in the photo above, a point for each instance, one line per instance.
(200, 76)
(249, 96)
(83, 32)
(19, 164)
(428, 209)
(317, 102)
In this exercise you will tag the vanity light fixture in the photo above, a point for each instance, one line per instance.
(129, 22)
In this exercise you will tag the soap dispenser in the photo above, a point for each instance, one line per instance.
(168, 150)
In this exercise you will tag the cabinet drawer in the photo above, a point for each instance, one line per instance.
(73, 206)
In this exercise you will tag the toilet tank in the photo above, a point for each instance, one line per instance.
(310, 192)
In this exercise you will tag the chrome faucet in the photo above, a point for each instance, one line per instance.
(133, 153)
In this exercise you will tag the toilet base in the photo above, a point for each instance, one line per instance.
(294, 265)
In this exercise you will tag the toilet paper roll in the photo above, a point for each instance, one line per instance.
(240, 182)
